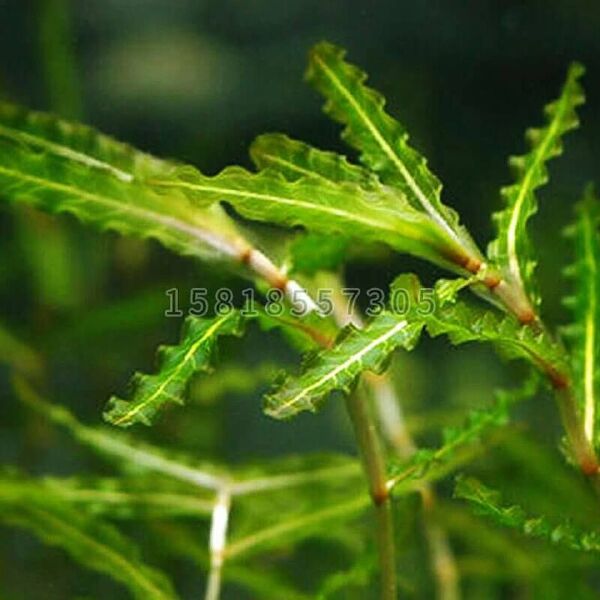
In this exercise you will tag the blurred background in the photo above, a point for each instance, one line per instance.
(197, 80)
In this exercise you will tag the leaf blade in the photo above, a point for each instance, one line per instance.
(345, 209)
(381, 140)
(511, 248)
(178, 363)
(338, 368)
(585, 307)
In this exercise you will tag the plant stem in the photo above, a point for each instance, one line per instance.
(443, 564)
(393, 424)
(371, 451)
(516, 302)
(218, 540)
(583, 452)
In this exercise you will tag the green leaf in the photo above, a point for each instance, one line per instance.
(383, 141)
(131, 456)
(177, 365)
(320, 206)
(462, 321)
(312, 252)
(139, 497)
(511, 250)
(585, 304)
(63, 167)
(91, 542)
(428, 463)
(488, 502)
(98, 198)
(296, 160)
(46, 134)
(338, 368)
(357, 576)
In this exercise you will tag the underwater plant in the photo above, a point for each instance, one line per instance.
(326, 206)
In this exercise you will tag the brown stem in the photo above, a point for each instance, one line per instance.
(515, 299)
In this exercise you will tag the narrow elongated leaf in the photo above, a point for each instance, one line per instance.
(177, 365)
(321, 206)
(511, 250)
(461, 321)
(381, 140)
(479, 423)
(296, 160)
(91, 542)
(77, 143)
(488, 503)
(122, 498)
(65, 167)
(131, 456)
(338, 368)
(57, 184)
(585, 304)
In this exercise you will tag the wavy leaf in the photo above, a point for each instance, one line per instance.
(76, 143)
(296, 160)
(511, 250)
(488, 503)
(66, 167)
(444, 314)
(382, 141)
(91, 542)
(321, 207)
(585, 304)
(338, 368)
(177, 365)
(97, 197)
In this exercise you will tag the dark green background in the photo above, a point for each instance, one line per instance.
(198, 80)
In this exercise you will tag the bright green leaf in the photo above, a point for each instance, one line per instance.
(382, 141)
(511, 250)
(585, 303)
(338, 368)
(177, 365)
(320, 206)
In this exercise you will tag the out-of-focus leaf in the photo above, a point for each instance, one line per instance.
(18, 355)
(91, 542)
(116, 498)
(488, 502)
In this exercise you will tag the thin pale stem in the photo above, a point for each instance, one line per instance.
(217, 544)
(374, 464)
